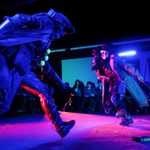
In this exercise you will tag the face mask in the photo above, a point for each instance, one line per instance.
(104, 54)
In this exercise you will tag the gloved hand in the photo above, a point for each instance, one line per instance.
(139, 76)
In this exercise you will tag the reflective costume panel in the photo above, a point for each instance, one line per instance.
(129, 75)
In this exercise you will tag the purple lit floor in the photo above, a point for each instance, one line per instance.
(91, 132)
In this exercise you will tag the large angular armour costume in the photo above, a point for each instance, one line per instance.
(21, 36)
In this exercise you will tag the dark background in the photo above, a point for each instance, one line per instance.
(95, 21)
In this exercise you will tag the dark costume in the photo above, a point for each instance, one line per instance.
(77, 95)
(89, 97)
(120, 75)
(21, 38)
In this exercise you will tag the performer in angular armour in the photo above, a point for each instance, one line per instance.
(119, 75)
(22, 37)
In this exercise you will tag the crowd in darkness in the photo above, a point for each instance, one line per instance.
(84, 98)
(87, 98)
(80, 98)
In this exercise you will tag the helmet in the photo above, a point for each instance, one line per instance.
(104, 51)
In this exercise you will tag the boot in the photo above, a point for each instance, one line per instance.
(63, 127)
(126, 119)
(52, 113)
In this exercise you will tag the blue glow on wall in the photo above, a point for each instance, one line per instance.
(79, 68)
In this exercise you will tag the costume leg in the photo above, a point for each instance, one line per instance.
(106, 102)
(118, 91)
(54, 77)
(32, 84)
(9, 82)
(122, 113)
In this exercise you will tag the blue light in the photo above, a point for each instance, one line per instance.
(4, 23)
(127, 53)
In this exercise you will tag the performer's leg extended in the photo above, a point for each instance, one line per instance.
(52, 76)
(32, 84)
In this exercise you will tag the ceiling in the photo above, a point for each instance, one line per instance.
(95, 22)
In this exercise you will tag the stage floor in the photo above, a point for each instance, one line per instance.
(91, 132)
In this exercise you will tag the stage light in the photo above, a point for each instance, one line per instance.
(46, 58)
(48, 51)
(58, 50)
(84, 47)
(127, 53)
(42, 63)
